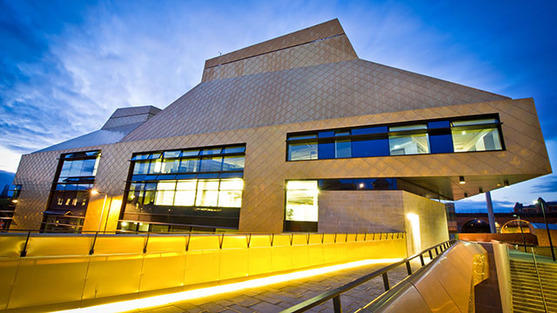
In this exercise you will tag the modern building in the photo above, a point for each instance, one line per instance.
(292, 134)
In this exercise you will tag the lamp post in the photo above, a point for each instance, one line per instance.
(542, 205)
(521, 231)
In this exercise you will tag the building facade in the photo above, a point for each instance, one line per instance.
(293, 134)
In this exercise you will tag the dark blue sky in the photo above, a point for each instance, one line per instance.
(66, 65)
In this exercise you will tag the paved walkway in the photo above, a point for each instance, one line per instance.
(277, 297)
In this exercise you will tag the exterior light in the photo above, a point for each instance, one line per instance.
(124, 224)
(361, 185)
(165, 299)
(94, 192)
(414, 220)
(464, 132)
(14, 201)
(461, 180)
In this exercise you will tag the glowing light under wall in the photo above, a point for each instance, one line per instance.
(415, 225)
(148, 302)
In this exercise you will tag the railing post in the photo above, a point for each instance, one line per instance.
(408, 268)
(336, 304)
(92, 250)
(422, 259)
(146, 243)
(436, 251)
(24, 250)
(430, 255)
(386, 281)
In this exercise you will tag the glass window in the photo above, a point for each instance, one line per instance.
(475, 122)
(408, 140)
(234, 149)
(170, 166)
(326, 150)
(149, 195)
(194, 152)
(482, 139)
(211, 164)
(155, 167)
(171, 154)
(189, 165)
(185, 192)
(66, 167)
(301, 201)
(140, 157)
(233, 163)
(343, 147)
(369, 147)
(141, 167)
(207, 192)
(165, 192)
(210, 151)
(302, 151)
(76, 168)
(155, 155)
(230, 193)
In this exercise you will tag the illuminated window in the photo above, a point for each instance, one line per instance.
(301, 201)
(170, 166)
(476, 135)
(207, 192)
(70, 193)
(165, 193)
(411, 139)
(230, 192)
(185, 192)
(196, 186)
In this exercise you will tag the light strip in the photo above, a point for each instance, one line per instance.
(135, 304)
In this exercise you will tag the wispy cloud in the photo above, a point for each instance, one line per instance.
(68, 65)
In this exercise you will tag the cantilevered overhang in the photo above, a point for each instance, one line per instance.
(523, 157)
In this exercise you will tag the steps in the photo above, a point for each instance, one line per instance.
(527, 296)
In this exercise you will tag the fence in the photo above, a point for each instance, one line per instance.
(42, 269)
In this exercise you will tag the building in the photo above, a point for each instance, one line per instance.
(293, 134)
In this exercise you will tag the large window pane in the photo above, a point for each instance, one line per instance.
(185, 192)
(476, 139)
(170, 166)
(76, 168)
(88, 167)
(302, 151)
(408, 140)
(207, 192)
(233, 163)
(301, 201)
(165, 193)
(189, 165)
(155, 167)
(343, 147)
(141, 167)
(230, 194)
(211, 164)
(408, 144)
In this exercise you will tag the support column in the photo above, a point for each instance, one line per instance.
(490, 215)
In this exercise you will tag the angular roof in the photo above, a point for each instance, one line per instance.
(312, 74)
(120, 123)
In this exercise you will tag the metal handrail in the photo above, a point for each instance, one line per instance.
(539, 280)
(147, 235)
(334, 294)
